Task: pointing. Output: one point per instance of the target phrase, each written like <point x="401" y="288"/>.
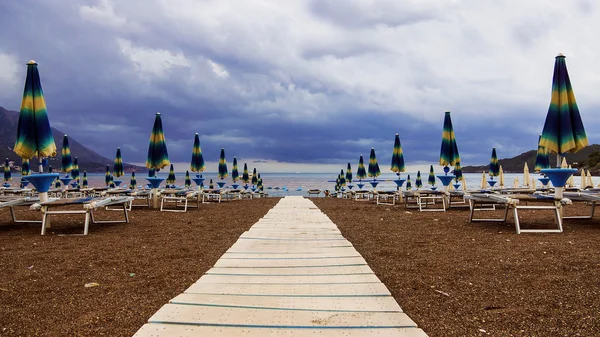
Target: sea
<point x="283" y="184"/>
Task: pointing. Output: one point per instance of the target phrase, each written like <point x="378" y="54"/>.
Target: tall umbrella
<point x="34" y="135"/>
<point x="210" y="185"/>
<point x="349" y="173"/>
<point x="483" y="182"/>
<point x="563" y="129"/>
<point x="590" y="181"/>
<point x="197" y="164"/>
<point x="132" y="181"/>
<point x="111" y="183"/>
<point x="158" y="156"/>
<point x="408" y="183"/>
<point x="171" y="179"/>
<point x="25" y="168"/>
<point x="75" y="170"/>
<point x="494" y="165"/>
<point x="458" y="171"/>
<point x="361" y="173"/>
<point x="235" y="175"/>
<point x="526" y="179"/>
<point x="7" y="175"/>
<point x="501" y="177"/>
<point x="66" y="162"/>
<point x="541" y="157"/>
<point x="118" y="164"/>
<point x="431" y="178"/>
<point x="107" y="176"/>
<point x="418" y="182"/>
<point x="84" y="183"/>
<point x="254" y="177"/>
<point x="245" y="175"/>
<point x="449" y="151"/>
<point x="188" y="180"/>
<point x="397" y="157"/>
<point x="56" y="183"/>
<point x="222" y="165"/>
<point x="342" y="178"/>
<point x="374" y="171"/>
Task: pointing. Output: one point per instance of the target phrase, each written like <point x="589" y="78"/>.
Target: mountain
<point x="515" y="164"/>
<point x="88" y="160"/>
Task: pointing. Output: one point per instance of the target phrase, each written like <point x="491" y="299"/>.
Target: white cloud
<point x="103" y="14"/>
<point x="10" y="69"/>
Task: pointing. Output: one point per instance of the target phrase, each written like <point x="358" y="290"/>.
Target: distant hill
<point x="87" y="159"/>
<point x="515" y="164"/>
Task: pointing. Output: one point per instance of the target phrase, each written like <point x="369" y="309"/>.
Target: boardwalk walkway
<point x="291" y="274"/>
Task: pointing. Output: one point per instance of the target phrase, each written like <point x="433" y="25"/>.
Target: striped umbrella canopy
<point x="118" y="164"/>
<point x="418" y="182"/>
<point x="494" y="165"/>
<point x="157" y="149"/>
<point x="342" y="177"/>
<point x="112" y="184"/>
<point x="132" y="181"/>
<point x="66" y="162"/>
<point x="245" y="175"/>
<point x="107" y="176"/>
<point x="75" y="170"/>
<point x="49" y="168"/>
<point x="541" y="157"/>
<point x="338" y="186"/>
<point x="449" y="152"/>
<point x="408" y="183"/>
<point x="259" y="185"/>
<point x="57" y="183"/>
<point x="171" y="179"/>
<point x="254" y="177"/>
<point x="25" y="168"/>
<point x="151" y="173"/>
<point x="374" y="171"/>
<point x="222" y="165"/>
<point x="397" y="157"/>
<point x="197" y="164"/>
<point x="188" y="181"/>
<point x="211" y="185"/>
<point x="7" y="175"/>
<point x="235" y="175"/>
<point x="85" y="181"/>
<point x="563" y="129"/>
<point x="34" y="136"/>
<point x="458" y="171"/>
<point x="361" y="173"/>
<point x="431" y="178"/>
<point x="349" y="173"/>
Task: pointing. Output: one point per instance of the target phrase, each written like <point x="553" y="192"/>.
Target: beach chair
<point x="425" y="200"/>
<point x="15" y="201"/>
<point x="178" y="198"/>
<point x="212" y="195"/>
<point x="313" y="192"/>
<point x="362" y="195"/>
<point x="385" y="197"/>
<point x="516" y="202"/>
<point x="591" y="198"/>
<point x="89" y="204"/>
<point x="233" y="194"/>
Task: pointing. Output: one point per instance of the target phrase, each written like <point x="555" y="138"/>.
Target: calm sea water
<point x="306" y="181"/>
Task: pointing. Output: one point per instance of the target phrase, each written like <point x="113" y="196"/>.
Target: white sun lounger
<point x="179" y="198"/>
<point x="13" y="201"/>
<point x="591" y="198"/>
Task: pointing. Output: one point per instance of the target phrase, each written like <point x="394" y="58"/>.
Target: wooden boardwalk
<point x="291" y="274"/>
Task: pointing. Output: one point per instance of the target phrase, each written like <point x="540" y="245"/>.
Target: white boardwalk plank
<point x="324" y="290"/>
<point x="291" y="250"/>
<point x="343" y="270"/>
<point x="289" y="263"/>
<point x="261" y="279"/>
<point x="274" y="256"/>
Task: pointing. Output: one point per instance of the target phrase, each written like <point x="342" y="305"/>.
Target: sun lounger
<point x="89" y="206"/>
<point x="179" y="198"/>
<point x="212" y="195"/>
<point x="515" y="202"/>
<point x="589" y="197"/>
<point x="385" y="197"/>
<point x="424" y="199"/>
<point x="314" y="192"/>
<point x="362" y="195"/>
<point x="13" y="201"/>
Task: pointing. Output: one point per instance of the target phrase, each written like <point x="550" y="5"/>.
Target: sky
<point x="302" y="85"/>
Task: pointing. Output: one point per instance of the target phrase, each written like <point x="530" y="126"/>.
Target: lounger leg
<point x="516" y="215"/>
<point x="126" y="214"/>
<point x="44" y="221"/>
<point x="472" y="210"/>
<point x="505" y="212"/>
<point x="162" y="202"/>
<point x="86" y="225"/>
<point x="559" y="218"/>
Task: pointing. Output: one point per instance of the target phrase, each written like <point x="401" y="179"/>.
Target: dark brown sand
<point x="456" y="278"/>
<point x="139" y="267"/>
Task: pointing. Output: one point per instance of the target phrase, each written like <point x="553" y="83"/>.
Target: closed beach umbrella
<point x="211" y="185"/>
<point x="418" y="182"/>
<point x="222" y="165"/>
<point x="107" y="176"/>
<point x="254" y="177"/>
<point x="25" y="168"/>
<point x="342" y="178"/>
<point x="361" y="173"/>
<point x="188" y="181"/>
<point x="563" y="129"/>
<point x="56" y="183"/>
<point x="132" y="181"/>
<point x="571" y="180"/>
<point x="563" y="164"/>
<point x="158" y="157"/>
<point x="349" y="174"/>
<point x="66" y="162"/>
<point x="397" y="157"/>
<point x="483" y="182"/>
<point x="171" y="179"/>
<point x="75" y="170"/>
<point x="501" y="177"/>
<point x="245" y="175"/>
<point x="494" y="165"/>
<point x="449" y="151"/>
<point x="526" y="178"/>
<point x="431" y="178"/>
<point x="34" y="136"/>
<point x="7" y="175"/>
<point x="197" y="164"/>
<point x="590" y="181"/>
<point x="151" y="173"/>
<point x="516" y="182"/>
<point x="112" y="184"/>
<point x="374" y="171"/>
<point x="408" y="183"/>
<point x="541" y="158"/>
<point x="235" y="175"/>
<point x="85" y="181"/>
<point x="118" y="164"/>
<point x="458" y="172"/>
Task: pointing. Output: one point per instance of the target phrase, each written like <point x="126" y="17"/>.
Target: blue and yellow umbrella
<point x="431" y="178"/>
<point x="541" y="157"/>
<point x="245" y="175"/>
<point x="171" y="179"/>
<point x="223" y="166"/>
<point x="458" y="172"/>
<point x="57" y="183"/>
<point x="235" y="175"/>
<point x="342" y="178"/>
<point x="494" y="165"/>
<point x="85" y="181"/>
<point x="374" y="171"/>
<point x="449" y="151"/>
<point x="132" y="181"/>
<point x="211" y="185"/>
<point x="188" y="180"/>
<point x="34" y="135"/>
<point x="397" y="157"/>
<point x="75" y="171"/>
<point x="254" y="177"/>
<point x="25" y="167"/>
<point x="7" y="175"/>
<point x="158" y="157"/>
<point x="361" y="173"/>
<point x="107" y="176"/>
<point x="197" y="164"/>
<point x="418" y="182"/>
<point x="408" y="183"/>
<point x="66" y="162"/>
<point x="112" y="184"/>
<point x="563" y="129"/>
<point x="118" y="164"/>
<point x="349" y="174"/>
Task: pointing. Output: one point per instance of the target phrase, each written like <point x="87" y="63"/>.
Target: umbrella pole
<point x="155" y="198"/>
